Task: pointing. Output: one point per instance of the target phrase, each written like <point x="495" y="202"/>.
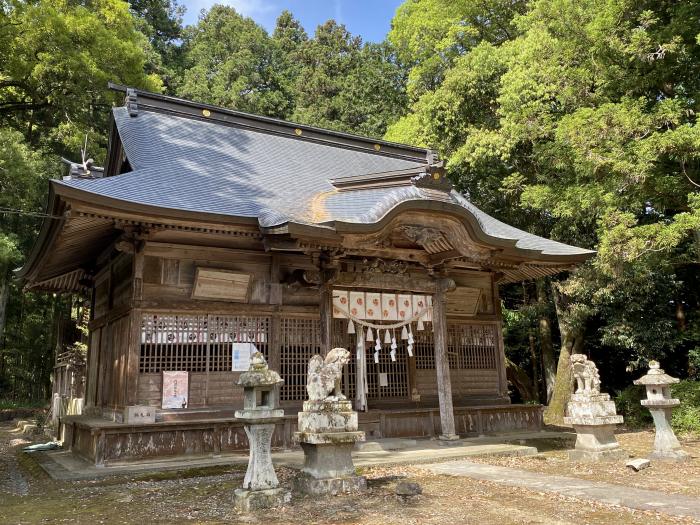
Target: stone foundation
<point x="345" y="485"/>
<point x="247" y="500"/>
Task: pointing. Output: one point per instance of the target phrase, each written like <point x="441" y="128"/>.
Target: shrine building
<point x="211" y="233"/>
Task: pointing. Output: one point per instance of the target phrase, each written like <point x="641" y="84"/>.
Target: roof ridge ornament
<point x="434" y="177"/>
<point x="131" y="102"/>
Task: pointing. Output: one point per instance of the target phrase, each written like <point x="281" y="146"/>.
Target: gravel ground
<point x="205" y="496"/>
<point x="669" y="477"/>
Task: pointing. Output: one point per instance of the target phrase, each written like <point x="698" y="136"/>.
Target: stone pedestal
<point x="327" y="435"/>
<point x="666" y="445"/>
<point x="594" y="420"/>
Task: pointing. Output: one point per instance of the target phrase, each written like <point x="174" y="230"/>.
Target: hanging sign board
<point x="221" y="285"/>
<point x="175" y="389"/>
<point x="464" y="300"/>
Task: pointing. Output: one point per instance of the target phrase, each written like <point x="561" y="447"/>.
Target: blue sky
<point x="371" y="19"/>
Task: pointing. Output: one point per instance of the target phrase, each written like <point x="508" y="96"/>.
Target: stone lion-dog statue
<point x="325" y="375"/>
<point x="585" y="375"/>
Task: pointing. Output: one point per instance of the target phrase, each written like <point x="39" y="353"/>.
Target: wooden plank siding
<point x="158" y="280"/>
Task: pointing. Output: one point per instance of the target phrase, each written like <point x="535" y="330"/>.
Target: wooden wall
<point x="159" y="280"/>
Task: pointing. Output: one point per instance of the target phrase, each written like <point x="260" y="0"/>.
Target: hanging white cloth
<point x="360" y="372"/>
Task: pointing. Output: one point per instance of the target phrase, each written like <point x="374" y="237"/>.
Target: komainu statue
<point x="323" y="381"/>
<point x="585" y="374"/>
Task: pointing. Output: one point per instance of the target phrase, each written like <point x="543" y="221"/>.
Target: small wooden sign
<point x="221" y="285"/>
<point x="464" y="300"/>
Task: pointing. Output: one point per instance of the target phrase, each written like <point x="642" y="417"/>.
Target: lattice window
<point x="196" y="343"/>
<point x="300" y="340"/>
<point x="396" y="372"/>
<point x="468" y="346"/>
<point x="226" y="330"/>
<point x="472" y="346"/>
<point x="424" y="349"/>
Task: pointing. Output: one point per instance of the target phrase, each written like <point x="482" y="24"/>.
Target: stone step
<point x="377" y="445"/>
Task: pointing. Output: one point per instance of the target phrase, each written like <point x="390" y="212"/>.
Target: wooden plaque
<point x="463" y="300"/>
<point x="221" y="285"/>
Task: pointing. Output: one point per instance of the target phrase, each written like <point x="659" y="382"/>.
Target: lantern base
<point x="247" y="500"/>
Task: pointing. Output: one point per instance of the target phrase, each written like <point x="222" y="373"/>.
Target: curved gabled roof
<point x="198" y="163"/>
<point x="206" y="166"/>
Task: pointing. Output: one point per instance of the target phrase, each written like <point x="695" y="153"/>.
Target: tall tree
<point x="57" y="59"/>
<point x="346" y="85"/>
<point x="161" y="22"/>
<point x="230" y="61"/>
<point x="581" y="125"/>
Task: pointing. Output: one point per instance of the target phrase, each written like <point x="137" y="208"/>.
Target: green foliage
<point x="348" y="86"/>
<point x="686" y="418"/>
<point x="628" y="404"/>
<point x="230" y="61"/>
<point x="57" y="59"/>
<point x="578" y="123"/>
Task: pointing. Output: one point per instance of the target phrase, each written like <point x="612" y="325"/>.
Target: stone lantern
<point x="660" y="404"/>
<point x="260" y="413"/>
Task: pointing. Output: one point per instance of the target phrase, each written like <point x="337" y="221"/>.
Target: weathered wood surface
<point x="442" y="365"/>
<point x="103" y="442"/>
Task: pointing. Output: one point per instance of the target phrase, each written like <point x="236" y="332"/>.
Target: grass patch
<point x="685" y="419"/>
<point x="8" y="404"/>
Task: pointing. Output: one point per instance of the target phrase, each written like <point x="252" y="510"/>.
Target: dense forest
<point x="571" y="119"/>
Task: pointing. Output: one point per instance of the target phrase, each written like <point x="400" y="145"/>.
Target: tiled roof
<point x="195" y="165"/>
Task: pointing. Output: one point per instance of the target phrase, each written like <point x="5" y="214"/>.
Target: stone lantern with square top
<point x="660" y="404"/>
<point x="260" y="413"/>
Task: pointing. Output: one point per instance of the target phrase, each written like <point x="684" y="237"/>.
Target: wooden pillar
<point x="500" y="348"/>
<point x="442" y="364"/>
<point x="326" y="311"/>
<point x="133" y="350"/>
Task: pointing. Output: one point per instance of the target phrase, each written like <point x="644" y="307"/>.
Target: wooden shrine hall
<point x="212" y="233"/>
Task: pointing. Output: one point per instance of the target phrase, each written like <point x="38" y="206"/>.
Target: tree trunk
<point x="571" y="343"/>
<point x="520" y="380"/>
<point x="547" y="348"/>
<point x="4" y="296"/>
<point x="534" y="359"/>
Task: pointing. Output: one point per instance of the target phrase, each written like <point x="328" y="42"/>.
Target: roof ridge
<point x="137" y="99"/>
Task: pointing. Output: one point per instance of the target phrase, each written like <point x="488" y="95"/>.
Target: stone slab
<point x="330" y="486"/>
<point x="596" y="491"/>
<point x="63" y="465"/>
<point x="247" y="500"/>
<point x="597" y="455"/>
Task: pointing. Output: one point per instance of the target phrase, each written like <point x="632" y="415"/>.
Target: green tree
<point x="581" y="125"/>
<point x="161" y="22"/>
<point x="57" y="59"/>
<point x="231" y="61"/>
<point x="348" y="86"/>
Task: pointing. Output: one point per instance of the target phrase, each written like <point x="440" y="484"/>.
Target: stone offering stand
<point x="260" y="486"/>
<point x="660" y="404"/>
<point x="592" y="415"/>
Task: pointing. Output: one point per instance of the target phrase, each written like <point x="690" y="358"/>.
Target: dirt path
<point x="11" y="479"/>
<point x="204" y="496"/>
